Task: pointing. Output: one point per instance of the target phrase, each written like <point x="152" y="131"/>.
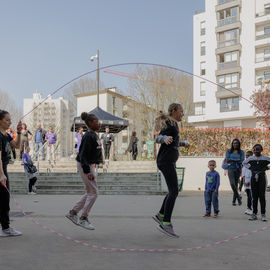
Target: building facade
<point x="52" y="112"/>
<point x="112" y="101"/>
<point x="232" y="51"/>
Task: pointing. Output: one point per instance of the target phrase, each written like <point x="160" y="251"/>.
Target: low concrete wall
<point x="195" y="170"/>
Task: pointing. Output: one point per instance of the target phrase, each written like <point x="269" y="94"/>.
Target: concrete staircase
<point x="69" y="166"/>
<point x="146" y="183"/>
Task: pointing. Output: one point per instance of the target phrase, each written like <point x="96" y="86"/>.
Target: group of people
<point x="90" y="156"/>
<point x="107" y="139"/>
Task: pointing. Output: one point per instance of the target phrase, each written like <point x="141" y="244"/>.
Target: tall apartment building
<point x="232" y="49"/>
<point x="53" y="112"/>
<point x="112" y="101"/>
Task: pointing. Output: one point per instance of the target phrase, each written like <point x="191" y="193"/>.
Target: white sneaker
<point x="86" y="224"/>
<point x="10" y="232"/>
<point x="72" y="217"/>
<point x="248" y="212"/>
<point x="32" y="193"/>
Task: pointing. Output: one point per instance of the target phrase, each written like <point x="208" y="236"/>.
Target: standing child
<point x="246" y="178"/>
<point x="90" y="155"/>
<point x="5" y="142"/>
<point x="211" y="189"/>
<point x="166" y="161"/>
<point x="258" y="164"/>
<point x="30" y="171"/>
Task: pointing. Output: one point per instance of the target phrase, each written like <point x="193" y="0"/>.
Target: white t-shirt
<point x="247" y="174"/>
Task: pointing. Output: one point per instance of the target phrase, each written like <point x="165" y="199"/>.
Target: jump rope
<point x="133" y="249"/>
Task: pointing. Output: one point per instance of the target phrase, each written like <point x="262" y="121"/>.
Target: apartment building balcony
<point x="262" y="18"/>
<point x="228" y="46"/>
<point x="231" y="92"/>
<point x="262" y="62"/>
<point x="226" y="68"/>
<point x="262" y="40"/>
<point x="228" y="26"/>
<point x="223" y="4"/>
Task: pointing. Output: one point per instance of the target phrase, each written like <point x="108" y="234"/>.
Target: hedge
<point x="215" y="141"/>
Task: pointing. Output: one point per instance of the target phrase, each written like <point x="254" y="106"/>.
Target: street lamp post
<point x="92" y="59"/>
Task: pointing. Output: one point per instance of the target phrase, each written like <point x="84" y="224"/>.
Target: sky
<point x="44" y="44"/>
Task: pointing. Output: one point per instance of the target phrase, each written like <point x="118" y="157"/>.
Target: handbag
<point x="225" y="165"/>
<point x="31" y="168"/>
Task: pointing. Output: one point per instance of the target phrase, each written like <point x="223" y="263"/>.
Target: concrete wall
<point x="195" y="170"/>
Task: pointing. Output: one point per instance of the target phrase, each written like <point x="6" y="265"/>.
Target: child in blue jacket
<point x="211" y="189"/>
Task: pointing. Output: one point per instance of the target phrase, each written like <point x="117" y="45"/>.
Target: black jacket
<point x="90" y="151"/>
<point x="169" y="153"/>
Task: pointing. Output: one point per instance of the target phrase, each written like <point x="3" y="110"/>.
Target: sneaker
<point x="248" y="212"/>
<point x="32" y="193"/>
<point x="10" y="232"/>
<point x="215" y="215"/>
<point x="72" y="217"/>
<point x="86" y="224"/>
<point x="167" y="229"/>
<point x="264" y="218"/>
<point x="253" y="217"/>
<point x="157" y="218"/>
<point x="207" y="215"/>
<point x="234" y="204"/>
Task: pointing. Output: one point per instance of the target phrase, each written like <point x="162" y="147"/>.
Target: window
<point x="202" y="88"/>
<point x="202" y="28"/>
<point x="227" y="16"/>
<point x="267" y="75"/>
<point x="228" y="57"/>
<point x="267" y="30"/>
<point x="220" y="2"/>
<point x="228" y="81"/>
<point x="229" y="104"/>
<point x="200" y="108"/>
<point x="266" y="54"/>
<point x="202" y="69"/>
<point x="203" y="48"/>
<point x="228" y="38"/>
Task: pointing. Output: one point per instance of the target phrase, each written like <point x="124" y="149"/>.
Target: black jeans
<point x="170" y="175"/>
<point x="31" y="183"/>
<point x="107" y="148"/>
<point x="134" y="151"/>
<point x="234" y="176"/>
<point x="249" y="198"/>
<point x="258" y="193"/>
<point x="4" y="203"/>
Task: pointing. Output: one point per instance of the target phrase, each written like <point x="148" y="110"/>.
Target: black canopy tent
<point x="115" y="124"/>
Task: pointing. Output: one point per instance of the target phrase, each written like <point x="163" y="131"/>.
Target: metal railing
<point x="221" y="2"/>
<point x="262" y="59"/>
<point x="227" y="65"/>
<point x="261" y="14"/>
<point x="267" y="35"/>
<point x="226" y="43"/>
<point x="227" y="21"/>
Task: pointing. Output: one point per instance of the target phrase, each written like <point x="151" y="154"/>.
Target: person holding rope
<point x="89" y="156"/>
<point x="166" y="161"/>
<point x="5" y="142"/>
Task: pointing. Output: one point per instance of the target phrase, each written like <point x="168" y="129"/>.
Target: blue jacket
<point x="235" y="160"/>
<point x="212" y="181"/>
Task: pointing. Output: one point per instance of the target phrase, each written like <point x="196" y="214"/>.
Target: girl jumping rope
<point x="166" y="161"/>
<point x="90" y="154"/>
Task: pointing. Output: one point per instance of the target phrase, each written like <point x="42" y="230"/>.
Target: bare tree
<point x="155" y="88"/>
<point x="8" y="104"/>
<point x="82" y="86"/>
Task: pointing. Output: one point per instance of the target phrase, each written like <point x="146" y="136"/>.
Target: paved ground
<point x="125" y="222"/>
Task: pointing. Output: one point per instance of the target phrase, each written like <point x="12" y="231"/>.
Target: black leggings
<point x="258" y="193"/>
<point x="32" y="182"/>
<point x="234" y="176"/>
<point x="4" y="203"/>
<point x="170" y="175"/>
